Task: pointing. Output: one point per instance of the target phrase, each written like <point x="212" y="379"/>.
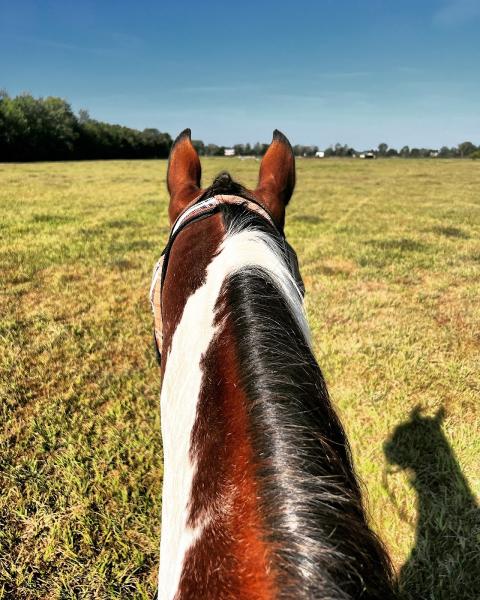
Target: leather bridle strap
<point x="197" y="211"/>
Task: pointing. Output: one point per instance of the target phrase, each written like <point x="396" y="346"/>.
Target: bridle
<point x="199" y="210"/>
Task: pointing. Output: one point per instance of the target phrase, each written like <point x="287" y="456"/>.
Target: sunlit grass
<point x="390" y="253"/>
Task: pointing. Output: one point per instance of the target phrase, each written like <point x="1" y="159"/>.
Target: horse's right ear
<point x="183" y="174"/>
<point x="276" y="179"/>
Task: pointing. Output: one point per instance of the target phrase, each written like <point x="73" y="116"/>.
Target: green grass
<point x="390" y="253"/>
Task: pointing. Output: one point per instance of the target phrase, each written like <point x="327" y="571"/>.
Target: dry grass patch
<point x="389" y="250"/>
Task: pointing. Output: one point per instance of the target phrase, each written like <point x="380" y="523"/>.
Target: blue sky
<point x="322" y="71"/>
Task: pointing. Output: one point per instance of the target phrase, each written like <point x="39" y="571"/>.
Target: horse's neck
<point x="209" y="517"/>
<point x="258" y="487"/>
<point x="222" y="512"/>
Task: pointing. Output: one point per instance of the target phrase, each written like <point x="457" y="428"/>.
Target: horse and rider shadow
<point x="445" y="561"/>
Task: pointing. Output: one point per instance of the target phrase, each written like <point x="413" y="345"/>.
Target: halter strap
<point x="209" y="204"/>
<point x="199" y="210"/>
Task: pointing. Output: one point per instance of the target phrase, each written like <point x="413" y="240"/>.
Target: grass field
<point x="390" y="253"/>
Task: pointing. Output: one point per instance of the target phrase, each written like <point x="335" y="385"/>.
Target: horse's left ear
<point x="183" y="174"/>
<point x="277" y="177"/>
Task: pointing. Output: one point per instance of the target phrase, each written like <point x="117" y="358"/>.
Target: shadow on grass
<point x="403" y="244"/>
<point x="451" y="232"/>
<point x="445" y="561"/>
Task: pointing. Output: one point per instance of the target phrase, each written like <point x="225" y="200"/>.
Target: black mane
<point x="224" y="184"/>
<point x="309" y="496"/>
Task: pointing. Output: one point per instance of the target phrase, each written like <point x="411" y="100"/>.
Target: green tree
<point x="199" y="147"/>
<point x="46" y="129"/>
<point x="444" y="152"/>
<point x="466" y="148"/>
<point x="260" y="149"/>
<point x="382" y="149"/>
<point x="13" y="128"/>
<point x="214" y="150"/>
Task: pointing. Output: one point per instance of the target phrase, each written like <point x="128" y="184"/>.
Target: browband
<point x="197" y="211"/>
<point x="205" y="206"/>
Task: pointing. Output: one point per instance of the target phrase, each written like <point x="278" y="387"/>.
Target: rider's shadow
<point x="445" y="561"/>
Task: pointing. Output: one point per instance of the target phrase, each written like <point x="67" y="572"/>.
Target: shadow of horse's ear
<point x="416" y="413"/>
<point x="440" y="414"/>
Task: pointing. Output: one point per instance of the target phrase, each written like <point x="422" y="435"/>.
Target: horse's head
<point x="275" y="183"/>
<point x="197" y="239"/>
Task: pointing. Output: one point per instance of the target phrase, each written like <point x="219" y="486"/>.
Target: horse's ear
<point x="183" y="174"/>
<point x="277" y="177"/>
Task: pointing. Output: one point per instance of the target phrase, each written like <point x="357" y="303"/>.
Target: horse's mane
<point x="224" y="184"/>
<point x="309" y="497"/>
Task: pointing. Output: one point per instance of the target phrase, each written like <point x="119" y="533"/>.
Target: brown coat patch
<point x="195" y="247"/>
<point x="230" y="560"/>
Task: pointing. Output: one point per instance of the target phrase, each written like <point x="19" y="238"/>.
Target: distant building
<point x="320" y="154"/>
<point x="367" y="155"/>
<point x="229" y="152"/>
<point x="434" y="153"/>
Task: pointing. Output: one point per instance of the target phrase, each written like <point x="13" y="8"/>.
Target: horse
<point x="260" y="499"/>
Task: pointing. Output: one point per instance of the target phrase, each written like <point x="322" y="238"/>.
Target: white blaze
<point x="182" y="385"/>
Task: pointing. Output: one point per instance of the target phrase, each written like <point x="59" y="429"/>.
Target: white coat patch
<point x="182" y="385"/>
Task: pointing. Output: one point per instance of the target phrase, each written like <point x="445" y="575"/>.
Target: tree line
<point x="48" y="129"/>
<point x="463" y="150"/>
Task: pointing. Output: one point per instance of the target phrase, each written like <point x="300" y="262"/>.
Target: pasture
<point x="390" y="255"/>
